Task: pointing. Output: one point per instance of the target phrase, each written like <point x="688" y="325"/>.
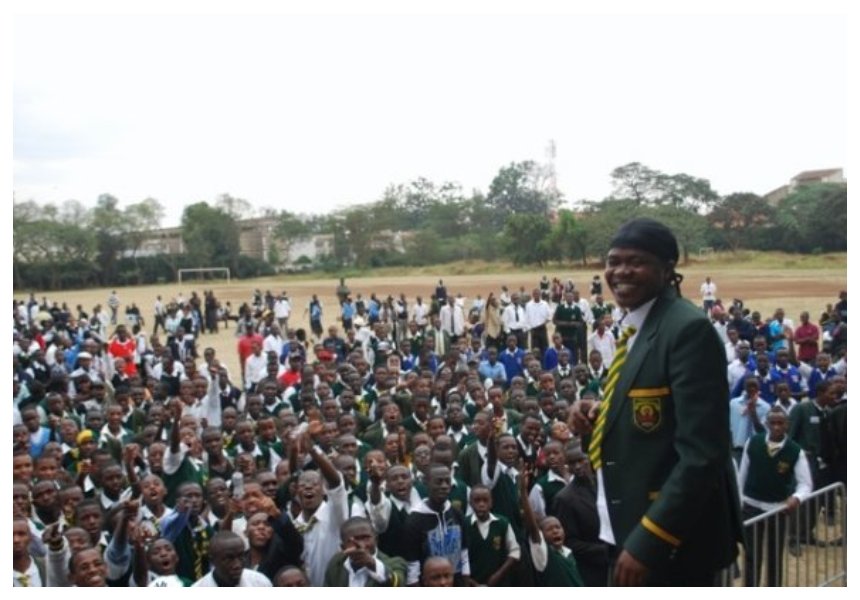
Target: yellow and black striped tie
<point x="612" y="377"/>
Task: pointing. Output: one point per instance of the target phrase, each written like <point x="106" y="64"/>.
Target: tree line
<point x="521" y="217"/>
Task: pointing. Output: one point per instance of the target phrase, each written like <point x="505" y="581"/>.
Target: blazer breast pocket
<point x="647" y="406"/>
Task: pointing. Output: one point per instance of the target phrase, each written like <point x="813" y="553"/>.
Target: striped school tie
<point x="612" y="377"/>
<point x="200" y="540"/>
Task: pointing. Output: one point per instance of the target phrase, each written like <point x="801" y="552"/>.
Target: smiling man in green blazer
<point x="660" y="442"/>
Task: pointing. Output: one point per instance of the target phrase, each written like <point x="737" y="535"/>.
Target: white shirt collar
<point x="553" y="476"/>
<point x="636" y="318"/>
<point x="779" y="444"/>
<point x="482" y="449"/>
<point x="359" y="578"/>
<point x="474" y="518"/>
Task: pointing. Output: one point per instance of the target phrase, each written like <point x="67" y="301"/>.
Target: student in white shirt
<point x="320" y="520"/>
<point x="227" y="555"/>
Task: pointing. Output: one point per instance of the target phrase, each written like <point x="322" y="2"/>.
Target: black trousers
<point x="522" y="337"/>
<point x="539" y="340"/>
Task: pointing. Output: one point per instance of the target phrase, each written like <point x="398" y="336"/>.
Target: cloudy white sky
<point x="309" y="112"/>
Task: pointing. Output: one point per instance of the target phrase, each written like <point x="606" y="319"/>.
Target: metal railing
<point x="803" y="548"/>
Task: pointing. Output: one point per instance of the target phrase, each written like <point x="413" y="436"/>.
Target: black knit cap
<point x="648" y="235"/>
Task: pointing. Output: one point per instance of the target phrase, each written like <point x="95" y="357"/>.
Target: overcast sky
<point x="309" y="113"/>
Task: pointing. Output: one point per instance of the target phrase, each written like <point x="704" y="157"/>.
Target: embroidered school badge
<point x="782" y="467"/>
<point x="497" y="542"/>
<point x="647" y="413"/>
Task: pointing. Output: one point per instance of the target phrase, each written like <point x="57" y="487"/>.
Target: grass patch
<point x="717" y="261"/>
<point x="774" y="260"/>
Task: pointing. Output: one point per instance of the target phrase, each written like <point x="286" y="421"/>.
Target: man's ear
<point x="669" y="270"/>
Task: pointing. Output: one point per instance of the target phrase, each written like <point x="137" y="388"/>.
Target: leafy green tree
<point x="520" y="189"/>
<point x="42" y="238"/>
<point x="449" y="219"/>
<point x="334" y="225"/>
<point x="568" y="239"/>
<point x="274" y="257"/>
<point x="416" y="199"/>
<point x="479" y="215"/>
<point x="634" y="181"/>
<point x="237" y="208"/>
<point x="359" y="229"/>
<point x="387" y="214"/>
<point x="684" y="191"/>
<point x="815" y="218"/>
<point x="290" y="229"/>
<point x="210" y="236"/>
<point x="111" y="227"/>
<point x="72" y="211"/>
<point x="406" y="207"/>
<point x="741" y="220"/>
<point x="648" y="187"/>
<point x="142" y="218"/>
<point x="526" y="238"/>
<point x="690" y="228"/>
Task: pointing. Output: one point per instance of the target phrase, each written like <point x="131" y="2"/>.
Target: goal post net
<point x="203" y="274"/>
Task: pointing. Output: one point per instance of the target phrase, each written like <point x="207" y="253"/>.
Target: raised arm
<point x="212" y="412"/>
<point x="326" y="467"/>
<point x="130" y="454"/>
<point x="176" y="414"/>
<point x="529" y="519"/>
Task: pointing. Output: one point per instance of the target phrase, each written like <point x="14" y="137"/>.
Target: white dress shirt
<point x="537" y="313"/>
<point x="359" y="578"/>
<point x="322" y="533"/>
<point x="419" y="315"/>
<point x="513" y="318"/>
<point x="249" y="579"/>
<point x="605" y="344"/>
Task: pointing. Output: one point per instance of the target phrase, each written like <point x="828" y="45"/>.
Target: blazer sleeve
<point x="694" y="363"/>
<point x="396" y="568"/>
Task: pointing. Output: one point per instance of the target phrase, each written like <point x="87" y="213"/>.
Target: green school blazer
<point x="669" y="480"/>
<point x="336" y="574"/>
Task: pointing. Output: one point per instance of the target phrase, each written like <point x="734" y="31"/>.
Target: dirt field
<point x="761" y="289"/>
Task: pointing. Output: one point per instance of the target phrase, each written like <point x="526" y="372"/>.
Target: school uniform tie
<point x="304" y="528"/>
<point x="608" y="389"/>
<point x="201" y="550"/>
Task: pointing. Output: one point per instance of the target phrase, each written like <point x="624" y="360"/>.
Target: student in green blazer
<point x="662" y="451"/>
<point x="375" y="435"/>
<point x="359" y="563"/>
<point x="472" y="457"/>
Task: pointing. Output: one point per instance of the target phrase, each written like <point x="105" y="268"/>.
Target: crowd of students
<point x="408" y="444"/>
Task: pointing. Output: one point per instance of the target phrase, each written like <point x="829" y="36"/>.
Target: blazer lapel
<point x="641" y="349"/>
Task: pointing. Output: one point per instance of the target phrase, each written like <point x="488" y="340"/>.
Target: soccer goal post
<point x="202" y="273"/>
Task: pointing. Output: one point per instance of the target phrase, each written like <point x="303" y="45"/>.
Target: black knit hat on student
<point x="651" y="236"/>
<point x="648" y="235"/>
